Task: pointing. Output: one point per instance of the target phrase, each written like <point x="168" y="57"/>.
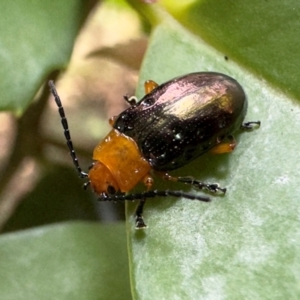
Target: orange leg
<point x="148" y="181"/>
<point x="224" y="147"/>
<point x="112" y="120"/>
<point x="150" y="85"/>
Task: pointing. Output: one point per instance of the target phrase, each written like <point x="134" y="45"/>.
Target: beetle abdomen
<point x="184" y="117"/>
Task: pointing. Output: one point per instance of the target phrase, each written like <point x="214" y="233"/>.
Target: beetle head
<point x="102" y="180"/>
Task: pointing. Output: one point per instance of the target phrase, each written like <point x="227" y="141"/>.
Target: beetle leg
<point x="211" y="187"/>
<point x="152" y="194"/>
<point x="139" y="220"/>
<point x="148" y="181"/>
<point x="250" y="125"/>
<point x="112" y="120"/>
<point x="224" y="147"/>
<point x="86" y="184"/>
<point x="132" y="101"/>
<point x="149" y="86"/>
<point x="140" y="224"/>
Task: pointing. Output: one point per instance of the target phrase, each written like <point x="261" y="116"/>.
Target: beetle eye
<point x="111" y="190"/>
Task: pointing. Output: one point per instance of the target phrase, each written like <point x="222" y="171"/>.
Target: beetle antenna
<point x="65" y="126"/>
<point x="152" y="194"/>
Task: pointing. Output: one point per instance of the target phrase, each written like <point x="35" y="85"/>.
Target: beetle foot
<point x="211" y="187"/>
<point x="139" y="223"/>
<point x="214" y="188"/>
<point x="250" y="125"/>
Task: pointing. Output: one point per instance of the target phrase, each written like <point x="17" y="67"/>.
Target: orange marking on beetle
<point x="149" y="86"/>
<point x="122" y="160"/>
<point x="223" y="148"/>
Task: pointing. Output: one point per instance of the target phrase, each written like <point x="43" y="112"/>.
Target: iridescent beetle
<point x="173" y="124"/>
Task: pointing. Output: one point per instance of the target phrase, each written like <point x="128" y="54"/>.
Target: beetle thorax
<point x="121" y="157"/>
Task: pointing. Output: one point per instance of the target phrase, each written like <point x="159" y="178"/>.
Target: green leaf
<point x="36" y="37"/>
<point x="65" y="261"/>
<point x="246" y="244"/>
<point x="263" y="36"/>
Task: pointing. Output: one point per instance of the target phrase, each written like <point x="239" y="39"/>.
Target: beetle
<point x="173" y="124"/>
